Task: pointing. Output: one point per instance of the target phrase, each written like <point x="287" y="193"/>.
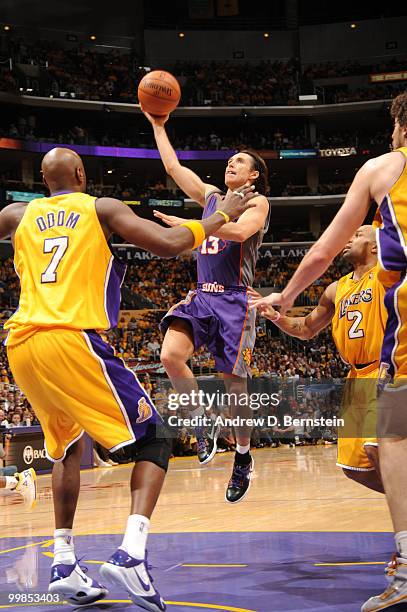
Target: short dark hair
<point x="262" y="182"/>
<point x="398" y="109"/>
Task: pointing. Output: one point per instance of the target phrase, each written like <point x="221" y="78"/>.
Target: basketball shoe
<point x="396" y="592"/>
<point x="71" y="582"/>
<point x="207" y="443"/>
<point x="133" y="576"/>
<point x="27" y="486"/>
<point x="239" y="483"/>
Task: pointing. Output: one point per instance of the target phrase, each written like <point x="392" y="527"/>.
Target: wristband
<point x="278" y="317"/>
<point x="224" y="215"/>
<point x="197" y="230"/>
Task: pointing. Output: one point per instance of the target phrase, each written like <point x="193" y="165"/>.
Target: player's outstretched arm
<point x="117" y="218"/>
<point x="186" y="179"/>
<point x="349" y="217"/>
<point x="249" y="223"/>
<point x="307" y="327"/>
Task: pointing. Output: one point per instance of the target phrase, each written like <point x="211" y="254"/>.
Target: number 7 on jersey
<point x="58" y="247"/>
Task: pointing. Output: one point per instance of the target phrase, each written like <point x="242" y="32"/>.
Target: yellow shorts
<point x="75" y="383"/>
<point x="359" y="412"/>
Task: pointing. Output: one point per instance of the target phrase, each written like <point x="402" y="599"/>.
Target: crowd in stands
<point x="352" y="68"/>
<point x="156" y="189"/>
<point x="83" y="73"/>
<point x="333" y="188"/>
<point x="164" y="282"/>
<point x="29" y="128"/>
<point x="15" y="411"/>
<point x="137" y="340"/>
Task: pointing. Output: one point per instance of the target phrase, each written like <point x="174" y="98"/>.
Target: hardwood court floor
<point x="305" y="538"/>
<point x="297" y="489"/>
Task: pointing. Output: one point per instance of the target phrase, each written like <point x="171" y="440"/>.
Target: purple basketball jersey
<point x="224" y="262"/>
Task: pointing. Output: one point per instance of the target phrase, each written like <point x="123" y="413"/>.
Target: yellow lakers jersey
<point x="391" y="221"/>
<point x="360" y="318"/>
<point x="69" y="277"/>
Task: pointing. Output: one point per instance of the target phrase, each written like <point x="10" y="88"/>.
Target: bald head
<point x="362" y="249"/>
<point x="369" y="232"/>
<point x="62" y="170"/>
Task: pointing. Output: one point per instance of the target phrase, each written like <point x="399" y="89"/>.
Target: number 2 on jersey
<point x="356" y="316"/>
<point x="57" y="246"/>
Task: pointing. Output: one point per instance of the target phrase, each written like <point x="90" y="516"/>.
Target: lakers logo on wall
<point x="144" y="409"/>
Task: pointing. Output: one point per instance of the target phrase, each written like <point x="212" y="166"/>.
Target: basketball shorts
<point x="359" y="412"/>
<point x="75" y="383"/>
<point x="224" y="323"/>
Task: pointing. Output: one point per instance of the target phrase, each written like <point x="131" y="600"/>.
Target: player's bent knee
<point x="167" y="358"/>
<point x="155" y="447"/>
<point x="157" y="451"/>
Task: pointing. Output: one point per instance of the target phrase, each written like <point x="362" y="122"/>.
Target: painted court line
<point x="350" y="563"/>
<point x="213" y="565"/>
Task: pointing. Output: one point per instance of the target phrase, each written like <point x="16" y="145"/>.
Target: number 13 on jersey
<point x="212" y="245"/>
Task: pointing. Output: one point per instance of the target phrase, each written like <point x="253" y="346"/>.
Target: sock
<point x="63" y="547"/>
<point x="11" y="482"/>
<point x="401" y="543"/>
<point x="243" y="459"/>
<point x="135" y="538"/>
<point x="242" y="449"/>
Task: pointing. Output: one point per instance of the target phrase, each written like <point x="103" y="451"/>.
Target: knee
<point x="76" y="450"/>
<point x="170" y="358"/>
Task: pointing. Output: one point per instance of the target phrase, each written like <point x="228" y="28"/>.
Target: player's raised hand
<point x="274" y="299"/>
<point x="155" y="120"/>
<point x="237" y="202"/>
<point x="267" y="311"/>
<point x="170" y="220"/>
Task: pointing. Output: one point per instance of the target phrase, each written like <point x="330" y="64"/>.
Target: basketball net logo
<point x="144" y="409"/>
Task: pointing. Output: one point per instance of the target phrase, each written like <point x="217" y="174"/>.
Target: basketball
<point x="159" y="92"/>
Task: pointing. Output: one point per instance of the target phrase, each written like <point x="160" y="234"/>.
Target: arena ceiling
<point x="102" y="15"/>
<point x="75" y="15"/>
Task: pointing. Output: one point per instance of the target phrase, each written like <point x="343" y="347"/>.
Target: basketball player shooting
<point x="217" y="314"/>
<point x="383" y="180"/>
<point x="70" y="287"/>
<point x="354" y="305"/>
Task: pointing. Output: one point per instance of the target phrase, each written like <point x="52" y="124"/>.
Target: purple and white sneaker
<point x="133" y="576"/>
<point x="239" y="483"/>
<point x="71" y="582"/>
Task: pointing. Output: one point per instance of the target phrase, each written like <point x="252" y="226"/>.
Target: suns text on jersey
<point x="61" y="218"/>
<point x="366" y="295"/>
